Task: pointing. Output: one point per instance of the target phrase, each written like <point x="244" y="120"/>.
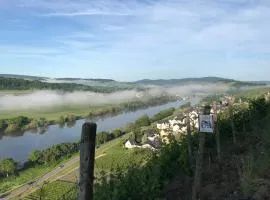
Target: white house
<point x="147" y="146"/>
<point x="162" y="125"/>
<point x="178" y="125"/>
<point x="130" y="144"/>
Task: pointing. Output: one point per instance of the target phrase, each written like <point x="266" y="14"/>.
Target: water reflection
<point x="71" y="124"/>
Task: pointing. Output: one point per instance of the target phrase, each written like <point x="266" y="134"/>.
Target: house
<point x="152" y="144"/>
<point x="130" y="144"/>
<point x="178" y="125"/>
<point x="163" y="124"/>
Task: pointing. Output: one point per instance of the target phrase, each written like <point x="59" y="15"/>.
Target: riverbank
<point x="16" y="121"/>
<point x="112" y="149"/>
<point x="41" y="162"/>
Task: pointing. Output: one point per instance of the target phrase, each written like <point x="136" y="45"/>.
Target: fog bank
<point x="46" y="99"/>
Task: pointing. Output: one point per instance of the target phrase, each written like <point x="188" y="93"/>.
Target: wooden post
<point x="189" y="140"/>
<point x="87" y="158"/>
<point x="199" y="160"/>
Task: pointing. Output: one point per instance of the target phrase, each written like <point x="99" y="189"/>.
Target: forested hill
<point x="204" y="80"/>
<point x="26" y="77"/>
<point x="88" y="79"/>
<point x="22" y="84"/>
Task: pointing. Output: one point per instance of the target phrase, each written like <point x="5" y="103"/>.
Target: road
<point x="53" y="175"/>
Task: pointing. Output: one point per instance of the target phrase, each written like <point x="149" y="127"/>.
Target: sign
<point x="206" y="123"/>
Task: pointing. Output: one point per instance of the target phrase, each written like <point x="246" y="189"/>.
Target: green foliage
<point x="8" y="167"/>
<point x="143" y="181"/>
<point x="53" y="154"/>
<point x="70" y="118"/>
<point x="102" y="137"/>
<point x="163" y="114"/>
<point x="21" y="84"/>
<point x="117" y="133"/>
<point x="35" y="157"/>
<point x="12" y="128"/>
<point x="143" y="121"/>
<point x="61" y="120"/>
<point x="55" y="191"/>
<point x="3" y="124"/>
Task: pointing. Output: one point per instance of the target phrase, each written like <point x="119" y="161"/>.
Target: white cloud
<point x="120" y="33"/>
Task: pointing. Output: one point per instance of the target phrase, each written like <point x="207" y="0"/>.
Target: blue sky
<point x="130" y="40"/>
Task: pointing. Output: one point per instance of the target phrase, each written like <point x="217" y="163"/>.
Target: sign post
<point x="206" y="125"/>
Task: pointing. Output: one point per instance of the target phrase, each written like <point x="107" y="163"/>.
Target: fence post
<point x="199" y="160"/>
<point x="87" y="158"/>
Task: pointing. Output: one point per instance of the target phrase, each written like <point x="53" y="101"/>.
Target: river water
<point x="18" y="146"/>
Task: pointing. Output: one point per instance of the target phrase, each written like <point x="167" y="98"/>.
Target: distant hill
<point x="86" y="79"/>
<point x="23" y="84"/>
<point x="129" y="85"/>
<point x="204" y="80"/>
<point x="22" y="77"/>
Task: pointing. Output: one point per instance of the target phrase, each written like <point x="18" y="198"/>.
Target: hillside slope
<point x="203" y="80"/>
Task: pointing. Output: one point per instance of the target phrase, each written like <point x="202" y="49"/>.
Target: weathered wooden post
<point x="87" y="158"/>
<point x="199" y="159"/>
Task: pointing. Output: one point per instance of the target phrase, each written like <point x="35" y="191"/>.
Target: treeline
<point x="104" y="136"/>
<point x="40" y="157"/>
<point x="22" y="84"/>
<point x="53" y="154"/>
<point x="22" y="123"/>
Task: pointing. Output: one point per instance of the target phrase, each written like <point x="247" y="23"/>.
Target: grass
<point x="113" y="155"/>
<point x="53" y="113"/>
<point x="15" y="92"/>
<point x="254" y="92"/>
<point x="27" y="175"/>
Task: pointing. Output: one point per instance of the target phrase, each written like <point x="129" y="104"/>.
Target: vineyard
<point x="58" y="190"/>
<point x="244" y="163"/>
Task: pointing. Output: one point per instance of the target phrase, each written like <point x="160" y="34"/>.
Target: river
<point x="18" y="146"/>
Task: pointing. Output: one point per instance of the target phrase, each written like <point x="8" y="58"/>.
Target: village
<point x="178" y="124"/>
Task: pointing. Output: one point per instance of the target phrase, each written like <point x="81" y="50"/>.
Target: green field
<point x="27" y="175"/>
<point x="112" y="155"/>
<point x="53" y="113"/>
<point x="57" y="190"/>
<point x="24" y="177"/>
<point x="35" y="172"/>
<point x="253" y="93"/>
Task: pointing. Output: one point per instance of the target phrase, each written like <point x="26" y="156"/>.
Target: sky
<point x="129" y="40"/>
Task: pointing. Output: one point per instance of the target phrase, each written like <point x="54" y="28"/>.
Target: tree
<point x="144" y="138"/>
<point x="35" y="157"/>
<point x="117" y="133"/>
<point x="8" y="167"/>
<point x="143" y="121"/>
<point x="62" y="120"/>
